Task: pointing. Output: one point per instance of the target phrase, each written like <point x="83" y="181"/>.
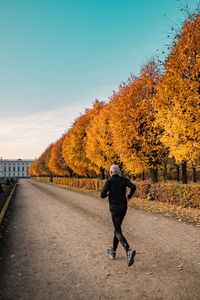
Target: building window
<point x="4" y="174"/>
<point x="18" y="169"/>
<point x="13" y="174"/>
<point x="9" y="169"/>
<point x="13" y="169"/>
<point x="9" y="174"/>
<point x="18" y="174"/>
<point x="22" y="174"/>
<point x="4" y="169"/>
<point x="23" y="169"/>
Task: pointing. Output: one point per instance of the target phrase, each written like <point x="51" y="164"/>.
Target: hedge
<point x="89" y="184"/>
<point x="173" y="193"/>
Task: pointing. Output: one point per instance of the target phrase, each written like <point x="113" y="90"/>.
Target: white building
<point x="14" y="168"/>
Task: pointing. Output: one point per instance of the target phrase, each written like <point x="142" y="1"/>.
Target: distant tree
<point x="74" y="144"/>
<point x="33" y="169"/>
<point x="42" y="163"/>
<point x="57" y="163"/>
<point x="99" y="143"/>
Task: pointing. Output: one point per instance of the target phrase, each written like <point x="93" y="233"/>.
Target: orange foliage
<point x="41" y="165"/>
<point x="135" y="135"/>
<point x="33" y="169"/>
<point x="74" y="144"/>
<point x="99" y="145"/>
<point x="57" y="164"/>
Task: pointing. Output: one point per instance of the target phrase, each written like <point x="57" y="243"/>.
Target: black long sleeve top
<point x="115" y="189"/>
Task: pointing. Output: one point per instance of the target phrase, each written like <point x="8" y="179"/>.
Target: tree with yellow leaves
<point x="178" y="98"/>
<point x="74" y="144"/>
<point x="135" y="135"/>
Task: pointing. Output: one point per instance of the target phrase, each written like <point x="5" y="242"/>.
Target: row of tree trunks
<point x="168" y="173"/>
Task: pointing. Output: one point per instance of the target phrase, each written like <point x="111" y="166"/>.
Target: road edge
<point x="6" y="205"/>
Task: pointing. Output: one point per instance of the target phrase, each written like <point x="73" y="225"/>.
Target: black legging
<point x="117" y="219"/>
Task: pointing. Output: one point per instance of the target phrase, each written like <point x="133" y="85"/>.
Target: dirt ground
<point x="53" y="246"/>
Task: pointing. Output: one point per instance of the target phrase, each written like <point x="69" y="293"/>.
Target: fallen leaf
<point x="180" y="267"/>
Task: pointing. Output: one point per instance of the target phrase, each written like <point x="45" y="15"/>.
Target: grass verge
<point x="6" y="205"/>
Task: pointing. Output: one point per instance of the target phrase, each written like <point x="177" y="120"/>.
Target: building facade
<point x="14" y="168"/>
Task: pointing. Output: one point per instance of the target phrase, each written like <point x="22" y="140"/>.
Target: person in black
<point x="115" y="189"/>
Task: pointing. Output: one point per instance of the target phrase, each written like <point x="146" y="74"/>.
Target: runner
<point x="115" y="189"/>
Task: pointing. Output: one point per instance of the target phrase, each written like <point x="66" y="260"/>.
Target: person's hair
<point x="115" y="169"/>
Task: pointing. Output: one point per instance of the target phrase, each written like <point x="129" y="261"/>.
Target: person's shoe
<point x="111" y="253"/>
<point x="130" y="256"/>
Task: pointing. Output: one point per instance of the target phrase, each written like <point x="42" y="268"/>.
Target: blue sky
<point x="58" y="56"/>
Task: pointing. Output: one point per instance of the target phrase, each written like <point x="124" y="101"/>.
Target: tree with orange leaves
<point x="33" y="169"/>
<point x="99" y="144"/>
<point x="74" y="144"/>
<point x="136" y="137"/>
<point x="56" y="163"/>
<point x="42" y="163"/>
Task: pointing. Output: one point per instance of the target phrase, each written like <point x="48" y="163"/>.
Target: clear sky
<point x="58" y="56"/>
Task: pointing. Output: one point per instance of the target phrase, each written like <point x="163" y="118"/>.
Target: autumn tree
<point x="33" y="169"/>
<point x="40" y="166"/>
<point x="42" y="162"/>
<point x="178" y="99"/>
<point x="136" y="137"/>
<point x="99" y="142"/>
<point x="74" y="144"/>
<point x="56" y="163"/>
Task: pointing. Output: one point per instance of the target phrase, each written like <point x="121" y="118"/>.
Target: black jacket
<point x="115" y="189"/>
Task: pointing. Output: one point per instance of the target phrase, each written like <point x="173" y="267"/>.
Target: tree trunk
<point x="184" y="172"/>
<point x="102" y="173"/>
<point x="170" y="173"/>
<point x="143" y="176"/>
<point x="71" y="174"/>
<point x="177" y="173"/>
<point x="154" y="175"/>
<point x="194" y="174"/>
<point x="165" y="171"/>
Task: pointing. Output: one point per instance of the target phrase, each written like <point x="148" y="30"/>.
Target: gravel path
<point x="54" y="244"/>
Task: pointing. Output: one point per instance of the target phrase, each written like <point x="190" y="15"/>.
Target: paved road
<point x="54" y="245"/>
